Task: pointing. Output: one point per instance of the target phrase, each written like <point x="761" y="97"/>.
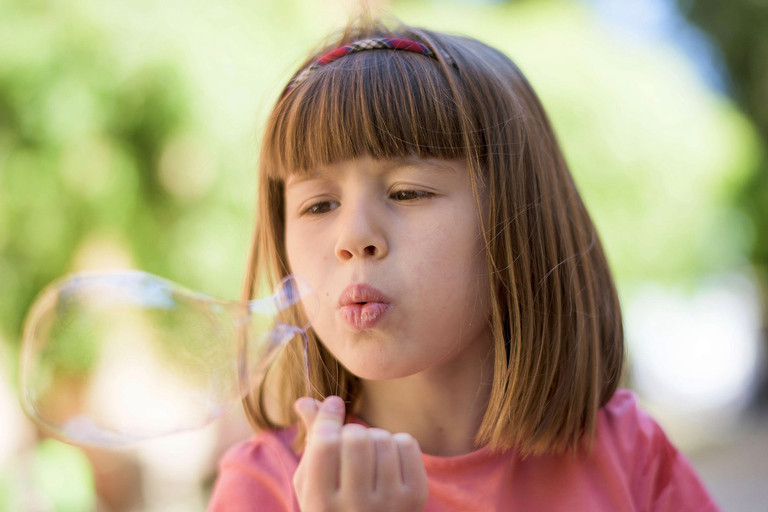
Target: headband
<point x="383" y="43"/>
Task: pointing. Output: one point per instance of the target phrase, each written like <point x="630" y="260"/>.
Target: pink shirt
<point x="633" y="467"/>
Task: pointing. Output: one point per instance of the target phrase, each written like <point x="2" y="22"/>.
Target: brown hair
<point x="558" y="336"/>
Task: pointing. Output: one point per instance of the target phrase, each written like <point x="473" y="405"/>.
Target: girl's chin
<point x="378" y="369"/>
<point x="374" y="355"/>
<point x="378" y="375"/>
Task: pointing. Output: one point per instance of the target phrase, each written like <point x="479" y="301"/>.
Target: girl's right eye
<point x="319" y="208"/>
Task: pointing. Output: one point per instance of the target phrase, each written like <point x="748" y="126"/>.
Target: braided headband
<point x="383" y="43"/>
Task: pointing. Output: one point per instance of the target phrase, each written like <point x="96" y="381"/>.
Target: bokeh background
<point x="129" y="134"/>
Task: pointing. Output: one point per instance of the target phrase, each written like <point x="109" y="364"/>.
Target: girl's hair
<point x="558" y="336"/>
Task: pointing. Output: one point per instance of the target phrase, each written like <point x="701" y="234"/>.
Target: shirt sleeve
<point x="673" y="483"/>
<point x="664" y="480"/>
<point x="254" y="477"/>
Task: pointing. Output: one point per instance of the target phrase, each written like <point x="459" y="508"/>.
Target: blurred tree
<point x="740" y="30"/>
<point x="81" y="136"/>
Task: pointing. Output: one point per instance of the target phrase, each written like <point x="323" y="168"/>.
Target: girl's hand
<point x="353" y="468"/>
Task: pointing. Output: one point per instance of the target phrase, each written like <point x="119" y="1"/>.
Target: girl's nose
<point x="361" y="235"/>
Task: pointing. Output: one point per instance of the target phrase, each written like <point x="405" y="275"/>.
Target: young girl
<point x="468" y="344"/>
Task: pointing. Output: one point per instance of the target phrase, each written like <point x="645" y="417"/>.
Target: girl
<point x="468" y="345"/>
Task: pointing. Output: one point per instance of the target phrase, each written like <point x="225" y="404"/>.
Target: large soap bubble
<point x="109" y="359"/>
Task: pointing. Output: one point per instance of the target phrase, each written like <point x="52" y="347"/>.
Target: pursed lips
<point x="362" y="306"/>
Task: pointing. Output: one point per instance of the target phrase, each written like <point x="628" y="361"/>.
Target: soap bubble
<point x="109" y="359"/>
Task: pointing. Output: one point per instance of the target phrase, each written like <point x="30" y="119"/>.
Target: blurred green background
<point x="128" y="138"/>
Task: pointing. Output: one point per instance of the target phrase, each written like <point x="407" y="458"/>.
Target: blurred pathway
<point x="736" y="472"/>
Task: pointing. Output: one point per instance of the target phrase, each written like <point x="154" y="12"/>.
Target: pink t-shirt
<point x="633" y="467"/>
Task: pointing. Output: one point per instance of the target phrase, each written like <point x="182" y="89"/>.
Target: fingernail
<point x="305" y="404"/>
<point x="378" y="434"/>
<point x="300" y="405"/>
<point x="404" y="439"/>
<point x="334" y="404"/>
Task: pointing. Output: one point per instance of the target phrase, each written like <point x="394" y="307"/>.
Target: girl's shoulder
<point x="625" y="427"/>
<point x="626" y="432"/>
<point x="624" y="419"/>
<point x="257" y="471"/>
<point x="629" y="440"/>
<point x="265" y="448"/>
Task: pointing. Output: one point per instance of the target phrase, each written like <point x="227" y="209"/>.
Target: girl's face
<point x="394" y="250"/>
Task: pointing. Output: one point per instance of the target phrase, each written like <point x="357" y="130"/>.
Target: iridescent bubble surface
<point x="112" y="358"/>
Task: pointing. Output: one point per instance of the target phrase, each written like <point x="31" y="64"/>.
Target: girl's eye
<point x="322" y="207"/>
<point x="319" y="208"/>
<point x="408" y="195"/>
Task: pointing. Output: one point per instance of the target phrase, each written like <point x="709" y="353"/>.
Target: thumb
<point x="307" y="409"/>
<point x="324" y="418"/>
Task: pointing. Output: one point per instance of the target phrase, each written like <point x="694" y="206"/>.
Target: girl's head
<point x="436" y="179"/>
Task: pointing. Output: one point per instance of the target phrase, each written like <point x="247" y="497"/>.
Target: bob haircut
<point x="558" y="335"/>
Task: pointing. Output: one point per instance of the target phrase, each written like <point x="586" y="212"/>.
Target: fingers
<point x="413" y="472"/>
<point x="356" y="467"/>
<point x="358" y="458"/>
<point x="388" y="472"/>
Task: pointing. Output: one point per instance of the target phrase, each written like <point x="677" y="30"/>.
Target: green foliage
<point x="9" y="493"/>
<point x="80" y="142"/>
<point x="738" y="29"/>
<point x="63" y="475"/>
<point x="55" y="477"/>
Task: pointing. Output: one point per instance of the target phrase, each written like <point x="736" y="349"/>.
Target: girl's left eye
<point x="409" y="195"/>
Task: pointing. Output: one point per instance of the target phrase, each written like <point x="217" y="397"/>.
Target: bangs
<point x="378" y="103"/>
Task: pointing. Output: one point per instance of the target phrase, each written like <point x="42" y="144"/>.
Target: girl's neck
<point x="441" y="407"/>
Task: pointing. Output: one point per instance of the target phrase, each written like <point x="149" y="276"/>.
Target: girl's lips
<point x="363" y="316"/>
<point x="362" y="305"/>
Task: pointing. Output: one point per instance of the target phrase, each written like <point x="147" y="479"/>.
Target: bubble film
<point x="109" y="359"/>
